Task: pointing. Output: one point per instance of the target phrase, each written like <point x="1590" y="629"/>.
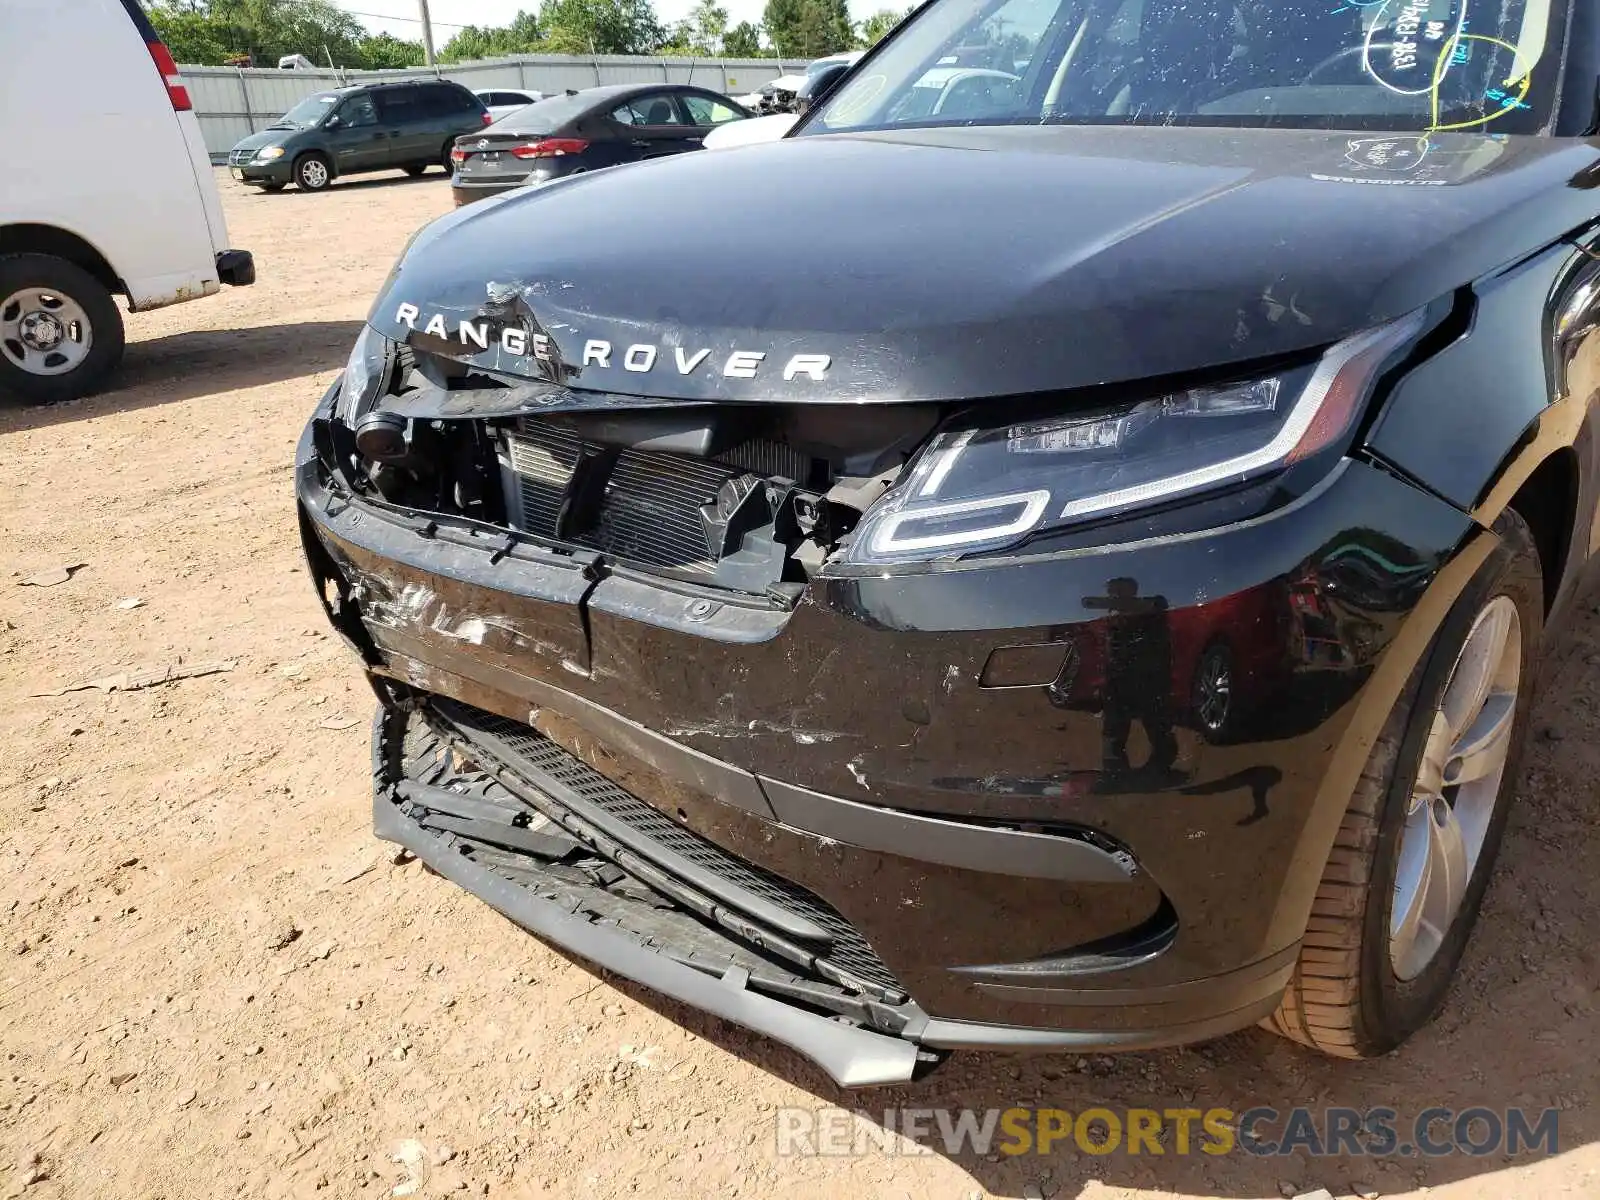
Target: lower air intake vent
<point x="650" y="510"/>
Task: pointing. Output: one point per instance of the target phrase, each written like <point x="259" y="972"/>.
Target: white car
<point x="750" y="133"/>
<point x="502" y="102"/>
<point x="145" y="222"/>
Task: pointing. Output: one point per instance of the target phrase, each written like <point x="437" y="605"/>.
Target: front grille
<point x="238" y="158"/>
<point x="538" y="755"/>
<point x="650" y="512"/>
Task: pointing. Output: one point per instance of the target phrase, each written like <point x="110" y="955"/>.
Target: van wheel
<point x="415" y="169"/>
<point x="312" y="173"/>
<point x="1400" y="893"/>
<point x="444" y="157"/>
<point x="60" y="331"/>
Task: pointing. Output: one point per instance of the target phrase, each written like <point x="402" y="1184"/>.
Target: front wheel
<point x="60" y="331"/>
<point x="313" y="174"/>
<point x="1400" y="894"/>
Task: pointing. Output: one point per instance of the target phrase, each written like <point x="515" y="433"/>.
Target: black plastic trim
<point x="970" y="1035"/>
<point x="1260" y="980"/>
<point x="989" y="849"/>
<point x="854" y="1057"/>
<point x="236" y="268"/>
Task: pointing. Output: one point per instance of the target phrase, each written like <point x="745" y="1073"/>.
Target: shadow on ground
<point x="352" y="183"/>
<point x="205" y="362"/>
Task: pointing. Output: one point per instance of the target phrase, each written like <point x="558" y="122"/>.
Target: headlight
<point x="364" y="375"/>
<point x="268" y="153"/>
<point x="974" y="489"/>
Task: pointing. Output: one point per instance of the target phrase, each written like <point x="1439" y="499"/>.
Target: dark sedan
<point x="584" y="131"/>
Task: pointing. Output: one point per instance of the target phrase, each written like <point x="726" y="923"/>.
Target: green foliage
<point x="384" y="51"/>
<point x="808" y="28"/>
<point x="600" y="27"/>
<point x="211" y="32"/>
<point x="523" y="36"/>
<point x="877" y="25"/>
<point x="743" y="41"/>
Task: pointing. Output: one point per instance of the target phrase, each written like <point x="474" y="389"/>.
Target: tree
<point x="877" y="25"/>
<point x="215" y="31"/>
<point x="708" y="26"/>
<point x="600" y="27"/>
<point x="743" y="41"/>
<point x="523" y="36"/>
<point x="384" y="51"/>
<point x="808" y="28"/>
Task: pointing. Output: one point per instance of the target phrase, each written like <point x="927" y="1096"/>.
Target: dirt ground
<point x="215" y="983"/>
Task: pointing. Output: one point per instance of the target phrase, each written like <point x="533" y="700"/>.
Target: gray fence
<point x="233" y="103"/>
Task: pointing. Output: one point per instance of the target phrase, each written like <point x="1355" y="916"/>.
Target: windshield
<point x="1427" y="65"/>
<point x="308" y="112"/>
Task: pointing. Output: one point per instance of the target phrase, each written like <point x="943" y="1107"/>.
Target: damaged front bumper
<point x="897" y="818"/>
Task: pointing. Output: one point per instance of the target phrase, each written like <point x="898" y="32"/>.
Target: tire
<point x="313" y="173"/>
<point x="271" y="187"/>
<point x="415" y="169"/>
<point x="444" y="157"/>
<point x="60" y="330"/>
<point x="1356" y="991"/>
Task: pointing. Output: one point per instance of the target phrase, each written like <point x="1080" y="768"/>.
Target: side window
<point x="399" y="105"/>
<point x="648" y="110"/>
<point x="358" y="111"/>
<point x="452" y="100"/>
<point x="704" y="110"/>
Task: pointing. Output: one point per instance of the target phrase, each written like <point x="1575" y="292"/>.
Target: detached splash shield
<point x="485" y="843"/>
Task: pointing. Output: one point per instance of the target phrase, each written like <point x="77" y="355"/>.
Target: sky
<point x="399" y="17"/>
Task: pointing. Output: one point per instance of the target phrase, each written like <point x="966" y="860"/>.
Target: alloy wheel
<point x="1214" y="690"/>
<point x="314" y="174"/>
<point x="1457" y="788"/>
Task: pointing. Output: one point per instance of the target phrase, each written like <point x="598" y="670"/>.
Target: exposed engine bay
<point x="749" y="497"/>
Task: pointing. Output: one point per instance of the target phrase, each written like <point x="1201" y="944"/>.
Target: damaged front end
<point x="803" y="711"/>
<point x="749" y="498"/>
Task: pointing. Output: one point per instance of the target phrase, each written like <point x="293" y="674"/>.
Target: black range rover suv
<point x="1087" y="591"/>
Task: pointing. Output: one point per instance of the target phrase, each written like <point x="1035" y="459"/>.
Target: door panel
<point x="655" y="125"/>
<point x="360" y="143"/>
<point x="411" y="140"/>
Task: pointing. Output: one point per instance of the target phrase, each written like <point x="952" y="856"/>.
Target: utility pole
<point x="427" y="31"/>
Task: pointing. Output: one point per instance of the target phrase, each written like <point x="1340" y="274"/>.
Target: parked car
<point x="408" y="125"/>
<point x="779" y="95"/>
<point x="584" y="131"/>
<point x="69" y="244"/>
<point x="716" y="561"/>
<point x="772" y="97"/>
<point x="502" y="102"/>
<point x="774" y="125"/>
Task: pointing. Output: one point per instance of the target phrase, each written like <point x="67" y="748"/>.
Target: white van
<point x="139" y="216"/>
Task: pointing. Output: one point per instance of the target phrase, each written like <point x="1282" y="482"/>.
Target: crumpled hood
<point x="966" y="263"/>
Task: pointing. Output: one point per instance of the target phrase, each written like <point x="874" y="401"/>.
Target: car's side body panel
<point x="160" y="226"/>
